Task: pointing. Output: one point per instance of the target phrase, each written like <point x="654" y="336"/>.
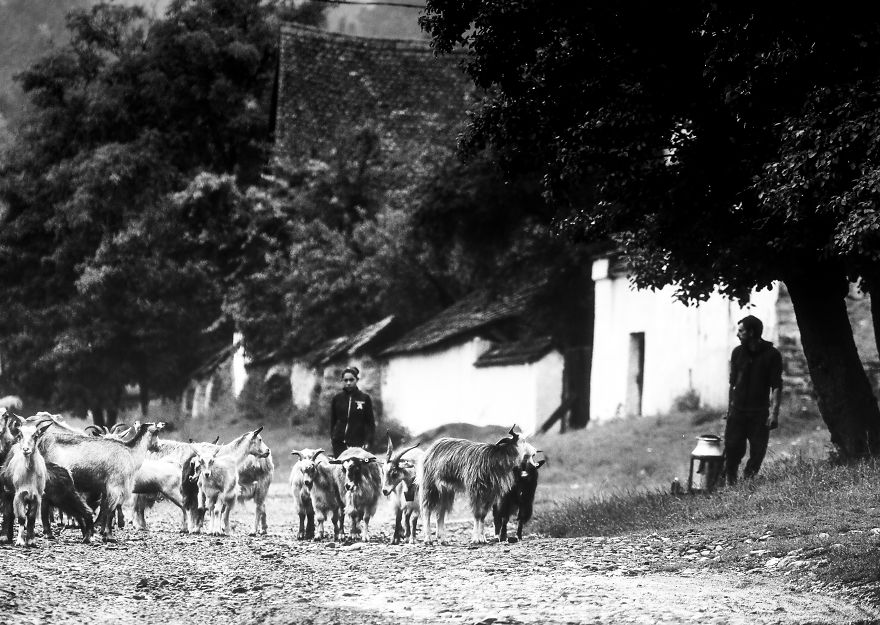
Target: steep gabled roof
<point x="516" y="353"/>
<point x="352" y="344"/>
<point x="331" y="83"/>
<point x="476" y="312"/>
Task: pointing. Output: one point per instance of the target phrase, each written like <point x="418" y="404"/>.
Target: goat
<point x="189" y="482"/>
<point x="165" y="474"/>
<point x="218" y="476"/>
<point x="315" y="493"/>
<point x="358" y="479"/>
<point x="24" y="475"/>
<point x="61" y="494"/>
<point x="398" y="482"/>
<point x="300" y="483"/>
<point x="518" y="500"/>
<point x="254" y="478"/>
<point x="60" y="489"/>
<point x="482" y="470"/>
<point x="218" y="490"/>
<point x="103" y="467"/>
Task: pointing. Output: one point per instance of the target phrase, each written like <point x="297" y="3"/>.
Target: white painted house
<point x="649" y="348"/>
<point x="463" y="367"/>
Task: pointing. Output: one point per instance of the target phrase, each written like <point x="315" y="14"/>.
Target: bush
<point x="689" y="401"/>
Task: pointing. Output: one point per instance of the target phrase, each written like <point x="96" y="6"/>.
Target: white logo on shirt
<point x="359" y="404"/>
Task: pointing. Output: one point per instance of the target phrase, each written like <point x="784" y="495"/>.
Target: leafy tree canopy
<point x="720" y="145"/>
<point x="113" y="279"/>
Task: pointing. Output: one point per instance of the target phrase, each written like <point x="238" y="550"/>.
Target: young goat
<point x="398" y="483"/>
<point x="519" y="500"/>
<point x="482" y="470"/>
<point x="254" y="478"/>
<point x="189" y="482"/>
<point x="24" y="475"/>
<point x="359" y="479"/>
<point x="218" y="477"/>
<point x="315" y="493"/>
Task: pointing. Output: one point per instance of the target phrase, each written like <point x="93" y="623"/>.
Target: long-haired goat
<point x="315" y="493"/>
<point x="217" y="476"/>
<point x="24" y="475"/>
<point x="519" y="500"/>
<point x="102" y="467"/>
<point x="399" y="483"/>
<point x="62" y="495"/>
<point x="482" y="470"/>
<point x="60" y="490"/>
<point x="359" y="480"/>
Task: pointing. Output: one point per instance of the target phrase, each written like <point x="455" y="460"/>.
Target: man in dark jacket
<point x="755" y="395"/>
<point x="352" y="422"/>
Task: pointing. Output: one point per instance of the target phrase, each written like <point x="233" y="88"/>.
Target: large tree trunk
<point x="844" y="394"/>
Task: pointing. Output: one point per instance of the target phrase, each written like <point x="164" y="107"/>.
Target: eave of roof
<point x="474" y="312"/>
<point x="516" y="353"/>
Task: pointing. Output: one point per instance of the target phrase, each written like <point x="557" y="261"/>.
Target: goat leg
<point x="46" y="518"/>
<point x="398" y="529"/>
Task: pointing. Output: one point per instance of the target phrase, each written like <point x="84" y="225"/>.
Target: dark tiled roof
<point x="477" y="311"/>
<point x="331" y="83"/>
<point x="352" y="344"/>
<point x="516" y="353"/>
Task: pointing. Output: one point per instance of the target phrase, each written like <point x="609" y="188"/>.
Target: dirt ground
<point x="167" y="578"/>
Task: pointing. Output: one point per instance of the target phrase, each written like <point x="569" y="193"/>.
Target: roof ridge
<point x="423" y="45"/>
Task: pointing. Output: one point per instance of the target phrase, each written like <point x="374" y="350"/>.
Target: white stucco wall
<point x="426" y="390"/>
<point x="239" y="361"/>
<point x="685" y="346"/>
<point x="302" y="384"/>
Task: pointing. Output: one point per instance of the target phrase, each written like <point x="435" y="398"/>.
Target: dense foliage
<point x="111" y="278"/>
<point x="720" y="146"/>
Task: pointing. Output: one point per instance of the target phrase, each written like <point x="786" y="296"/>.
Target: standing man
<point x="352" y="422"/>
<point x="755" y="395"/>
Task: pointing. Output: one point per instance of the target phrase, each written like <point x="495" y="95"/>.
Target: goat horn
<point x="400" y="454"/>
<point x="216" y="440"/>
<point x="91" y="428"/>
<point x="258" y="430"/>
<point x="390" y="446"/>
<point x="317" y="453"/>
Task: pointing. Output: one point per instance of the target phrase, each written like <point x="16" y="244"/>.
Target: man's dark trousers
<point x="743" y="427"/>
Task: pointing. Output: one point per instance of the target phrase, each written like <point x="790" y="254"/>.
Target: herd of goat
<point x="48" y="466"/>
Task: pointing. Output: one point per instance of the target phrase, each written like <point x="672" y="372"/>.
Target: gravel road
<point x="166" y="578"/>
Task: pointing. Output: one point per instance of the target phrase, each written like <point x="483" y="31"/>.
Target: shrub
<point x="689" y="401"/>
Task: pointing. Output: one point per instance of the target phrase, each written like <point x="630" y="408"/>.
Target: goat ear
<point x="514" y="434"/>
<point x="43" y="427"/>
<point x="540" y="464"/>
<point x="296" y="453"/>
<point x="390" y="446"/>
<point x="406" y="464"/>
<point x="334" y="461"/>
